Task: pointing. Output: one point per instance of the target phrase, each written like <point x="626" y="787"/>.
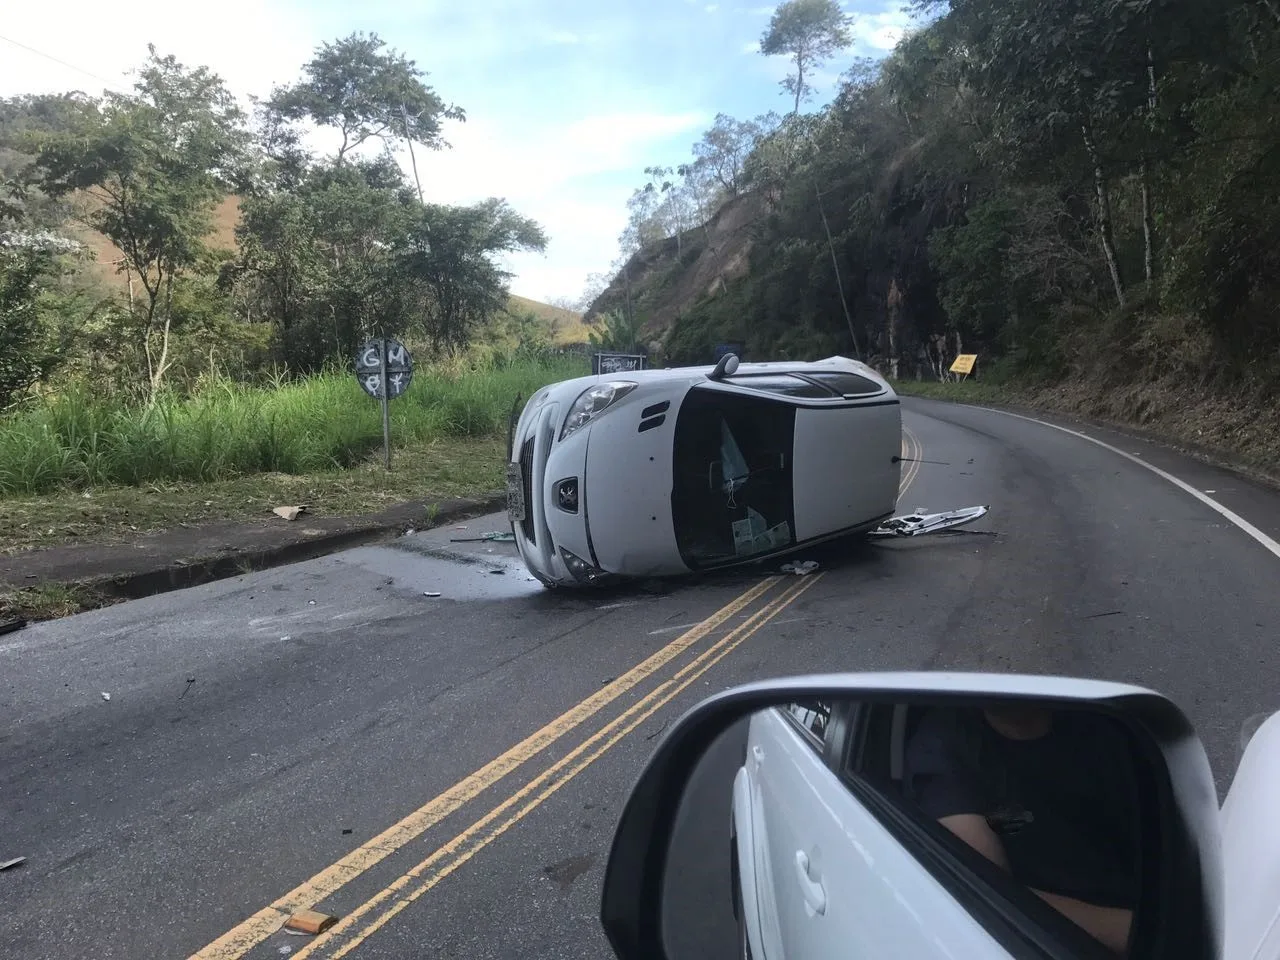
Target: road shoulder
<point x="56" y="581"/>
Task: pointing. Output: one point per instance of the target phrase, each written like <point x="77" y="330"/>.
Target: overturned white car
<point x="662" y="472"/>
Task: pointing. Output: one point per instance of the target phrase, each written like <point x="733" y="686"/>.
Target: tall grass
<point x="226" y="429"/>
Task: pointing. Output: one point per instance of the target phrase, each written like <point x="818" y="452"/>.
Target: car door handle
<point x="757" y="754"/>
<point x="814" y="895"/>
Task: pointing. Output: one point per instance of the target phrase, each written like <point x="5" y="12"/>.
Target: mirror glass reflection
<point x="845" y="829"/>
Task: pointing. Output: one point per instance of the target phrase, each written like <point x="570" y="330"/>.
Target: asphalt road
<point x="263" y="733"/>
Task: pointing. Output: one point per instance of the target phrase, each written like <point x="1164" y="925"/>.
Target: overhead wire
<point x="111" y="84"/>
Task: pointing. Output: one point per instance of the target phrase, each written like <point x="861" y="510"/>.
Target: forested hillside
<point x="1085" y="191"/>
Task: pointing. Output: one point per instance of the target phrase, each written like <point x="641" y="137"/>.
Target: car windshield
<point x="732" y="490"/>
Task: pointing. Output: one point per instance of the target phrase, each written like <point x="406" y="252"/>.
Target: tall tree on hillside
<point x="810" y="32"/>
<point x="366" y="91"/>
<point x="154" y="166"/>
<point x="723" y="150"/>
<point x="452" y="251"/>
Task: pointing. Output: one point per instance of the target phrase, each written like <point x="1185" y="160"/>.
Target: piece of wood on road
<point x="310" y="921"/>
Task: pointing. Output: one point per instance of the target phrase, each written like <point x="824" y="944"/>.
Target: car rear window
<point x="782" y="383"/>
<point x="847" y="384"/>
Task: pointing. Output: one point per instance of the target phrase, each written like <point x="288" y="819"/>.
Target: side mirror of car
<point x="921" y="815"/>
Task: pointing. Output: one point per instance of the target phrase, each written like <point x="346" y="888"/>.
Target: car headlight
<point x="594" y="401"/>
<point x="582" y="571"/>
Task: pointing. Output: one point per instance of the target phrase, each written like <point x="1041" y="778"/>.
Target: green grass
<point x="48" y="601"/>
<point x="314" y="426"/>
<point x="420" y="469"/>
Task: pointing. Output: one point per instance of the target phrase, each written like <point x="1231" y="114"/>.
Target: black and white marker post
<point x="384" y="371"/>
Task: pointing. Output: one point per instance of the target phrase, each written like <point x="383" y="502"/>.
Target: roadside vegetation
<point x="184" y="285"/>
<point x="225" y="429"/>
<point x="81" y="468"/>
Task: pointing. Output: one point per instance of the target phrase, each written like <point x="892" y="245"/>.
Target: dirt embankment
<point x="662" y="281"/>
<point x="1236" y="428"/>
<point x="1239" y="427"/>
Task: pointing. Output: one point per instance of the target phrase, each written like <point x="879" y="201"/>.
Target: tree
<point x="450" y="252"/>
<point x="595" y="284"/>
<point x="319" y="260"/>
<point x="810" y="32"/>
<point x="154" y="166"/>
<point x="27" y="350"/>
<point x="366" y="92"/>
<point x="723" y="150"/>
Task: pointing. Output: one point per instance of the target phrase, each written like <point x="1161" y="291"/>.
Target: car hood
<point x="628" y="489"/>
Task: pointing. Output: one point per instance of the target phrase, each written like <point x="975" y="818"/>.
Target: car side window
<point x="1054" y="816"/>
<point x="812" y="718"/>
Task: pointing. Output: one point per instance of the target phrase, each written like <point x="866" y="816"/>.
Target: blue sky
<point x="567" y="100"/>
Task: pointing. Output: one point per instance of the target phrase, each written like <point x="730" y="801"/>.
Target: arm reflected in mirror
<point x="974" y="830"/>
<point x="1109" y="925"/>
<point x="1045" y="796"/>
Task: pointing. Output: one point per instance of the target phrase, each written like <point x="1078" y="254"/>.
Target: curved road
<point x="444" y="773"/>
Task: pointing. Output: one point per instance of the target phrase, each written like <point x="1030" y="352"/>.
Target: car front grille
<point x="526" y="478"/>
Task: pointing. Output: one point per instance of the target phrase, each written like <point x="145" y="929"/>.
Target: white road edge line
<point x="1207" y="500"/>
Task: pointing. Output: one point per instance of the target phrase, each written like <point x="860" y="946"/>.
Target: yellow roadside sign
<point x="964" y="363"/>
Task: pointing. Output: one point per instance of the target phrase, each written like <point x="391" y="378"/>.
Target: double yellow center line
<point x="235" y="943"/>
<point x="375" y="912"/>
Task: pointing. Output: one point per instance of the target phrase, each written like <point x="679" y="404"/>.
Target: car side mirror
<point x="921" y="815"/>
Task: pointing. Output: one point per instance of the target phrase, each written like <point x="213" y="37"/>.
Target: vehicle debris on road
<point x="801" y="569"/>
<point x="16" y="861"/>
<point x="310" y="921"/>
<point x="918" y="523"/>
<point x="496" y="536"/>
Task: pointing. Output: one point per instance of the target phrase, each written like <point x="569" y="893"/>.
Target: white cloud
<point x="562" y="37"/>
<point x="711" y="7"/>
<point x="573" y="178"/>
<point x="882" y="31"/>
<point x="752" y="47"/>
<point x="251" y="44"/>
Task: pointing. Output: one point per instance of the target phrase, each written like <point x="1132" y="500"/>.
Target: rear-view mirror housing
<point x="1181" y="910"/>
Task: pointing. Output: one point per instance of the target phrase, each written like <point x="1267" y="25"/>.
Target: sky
<point x="567" y="101"/>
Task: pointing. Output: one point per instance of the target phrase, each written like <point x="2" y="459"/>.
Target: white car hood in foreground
<point x="1251" y="850"/>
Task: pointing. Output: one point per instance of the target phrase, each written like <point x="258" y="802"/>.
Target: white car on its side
<point x="662" y="472"/>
